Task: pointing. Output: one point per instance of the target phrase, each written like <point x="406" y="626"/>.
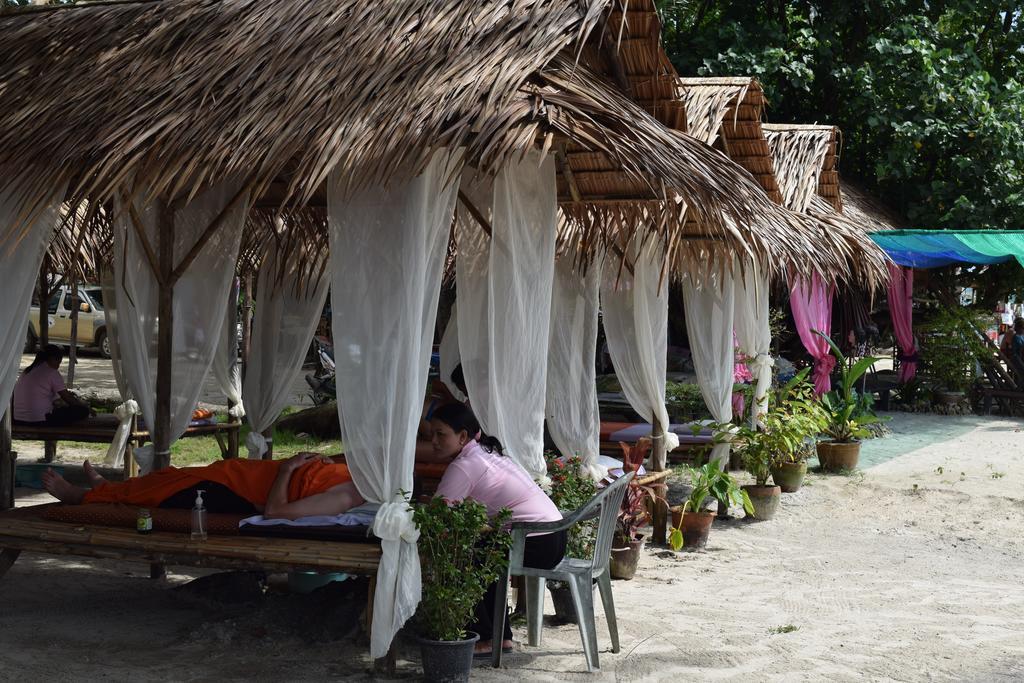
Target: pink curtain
<point x="901" y="308"/>
<point x="812" y="310"/>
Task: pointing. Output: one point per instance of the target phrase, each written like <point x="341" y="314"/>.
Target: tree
<point x="928" y="94"/>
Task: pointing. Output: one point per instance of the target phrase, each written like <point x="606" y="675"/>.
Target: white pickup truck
<point x="92" y="325"/>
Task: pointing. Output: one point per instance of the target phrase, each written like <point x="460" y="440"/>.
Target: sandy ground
<point x="861" y="577"/>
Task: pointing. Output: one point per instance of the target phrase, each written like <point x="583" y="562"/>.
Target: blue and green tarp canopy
<point x="934" y="248"/>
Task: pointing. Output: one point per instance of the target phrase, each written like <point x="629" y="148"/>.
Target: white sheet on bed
<point x="357" y="516"/>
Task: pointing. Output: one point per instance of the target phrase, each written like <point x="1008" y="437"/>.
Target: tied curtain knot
<point x="237" y="411"/>
<point x="671" y="439"/>
<point x="823" y="368"/>
<point x="394" y="522"/>
<point x="256" y="444"/>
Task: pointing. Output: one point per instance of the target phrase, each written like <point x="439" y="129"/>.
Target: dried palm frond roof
<point x="726" y="111"/>
<point x="165" y="97"/>
<point x="868" y="211"/>
<point x="806" y="163"/>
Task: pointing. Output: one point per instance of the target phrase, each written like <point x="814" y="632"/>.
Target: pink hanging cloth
<point x="812" y="310"/>
<point x="901" y="308"/>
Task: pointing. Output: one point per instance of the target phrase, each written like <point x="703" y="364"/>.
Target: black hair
<point x="461" y="419"/>
<point x="458" y="379"/>
<point x="46" y="353"/>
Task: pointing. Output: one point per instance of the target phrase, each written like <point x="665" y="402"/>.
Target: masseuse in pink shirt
<point x="479" y="471"/>
<point x="39" y="386"/>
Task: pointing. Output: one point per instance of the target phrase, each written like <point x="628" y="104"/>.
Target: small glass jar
<point x="144" y="522"/>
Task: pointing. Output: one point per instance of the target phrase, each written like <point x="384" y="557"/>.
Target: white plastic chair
<point x="578" y="574"/>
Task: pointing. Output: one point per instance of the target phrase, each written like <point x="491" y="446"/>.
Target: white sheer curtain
<point x="287" y="312"/>
<point x="574" y="420"/>
<point x="504" y="289"/>
<point x="710" y="303"/>
<point x="754" y="333"/>
<point x="22" y="245"/>
<point x="110" y="320"/>
<point x="129" y="408"/>
<point x="388" y="247"/>
<point x="199" y="297"/>
<point x="635" y="308"/>
<point x="225" y="366"/>
<point x="450" y="355"/>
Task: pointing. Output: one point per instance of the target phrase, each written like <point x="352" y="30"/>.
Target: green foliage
<point x="571" y="488"/>
<point x="950" y="346"/>
<point x="846" y="411"/>
<point x="792" y="419"/>
<point x="928" y="93"/>
<point x="709" y="483"/>
<point x="685" y="402"/>
<point x="462" y="552"/>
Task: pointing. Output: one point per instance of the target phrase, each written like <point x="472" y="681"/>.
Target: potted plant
<point x="950" y="346"/>
<point x="798" y="417"/>
<point x="627" y="541"/>
<point x="462" y="552"/>
<point x="846" y="417"/>
<point x="691" y="522"/>
<point x="570" y="489"/>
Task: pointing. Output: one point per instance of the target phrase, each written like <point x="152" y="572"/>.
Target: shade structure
<point x="934" y="248"/>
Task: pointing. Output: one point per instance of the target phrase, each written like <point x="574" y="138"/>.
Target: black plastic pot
<point x="447" y="661"/>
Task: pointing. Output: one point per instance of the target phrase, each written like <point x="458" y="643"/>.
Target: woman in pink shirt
<point x="39" y="386"/>
<point x="480" y="471"/>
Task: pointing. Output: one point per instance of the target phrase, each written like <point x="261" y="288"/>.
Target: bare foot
<point x="483" y="647"/>
<point x="92" y="475"/>
<point x="58" y="487"/>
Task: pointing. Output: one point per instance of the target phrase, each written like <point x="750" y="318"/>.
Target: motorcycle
<point x="321" y="381"/>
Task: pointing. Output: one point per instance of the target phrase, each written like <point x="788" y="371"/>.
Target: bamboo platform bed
<point x="101" y="429"/>
<point x="25" y="530"/>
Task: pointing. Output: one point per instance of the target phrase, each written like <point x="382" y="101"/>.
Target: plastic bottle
<point x="199" y="519"/>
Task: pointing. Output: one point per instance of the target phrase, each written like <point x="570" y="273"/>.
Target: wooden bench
<point x="101" y="429"/>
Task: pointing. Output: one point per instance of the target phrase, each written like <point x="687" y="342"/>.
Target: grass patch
<point x="202" y="450"/>
<point x="778" y="630"/>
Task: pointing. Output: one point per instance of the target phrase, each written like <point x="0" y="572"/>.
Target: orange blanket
<point x="250" y="479"/>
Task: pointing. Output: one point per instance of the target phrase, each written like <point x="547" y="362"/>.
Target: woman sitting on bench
<point x="304" y="485"/>
<point x="39" y="386"/>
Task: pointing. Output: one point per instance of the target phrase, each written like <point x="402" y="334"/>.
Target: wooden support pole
<point x="6" y="462"/>
<point x="44" y="303"/>
<point x="246" y="323"/>
<point x="76" y="304"/>
<point x="161" y="427"/>
<point x="659" y="457"/>
<point x="268" y="434"/>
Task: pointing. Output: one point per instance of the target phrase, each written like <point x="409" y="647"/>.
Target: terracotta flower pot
<point x="695" y="527"/>
<point x="835" y="456"/>
<point x="765" y="500"/>
<point x="625" y="559"/>
<point x="789" y="476"/>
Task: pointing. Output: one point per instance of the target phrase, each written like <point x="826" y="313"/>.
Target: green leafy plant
<point x="709" y="483"/>
<point x="685" y="402"/>
<point x="949" y="347"/>
<point x="571" y="488"/>
<point x="462" y="552"/>
<point x="785" y="431"/>
<point x="846" y="418"/>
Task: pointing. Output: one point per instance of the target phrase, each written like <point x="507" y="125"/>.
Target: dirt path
<point x="859" y="578"/>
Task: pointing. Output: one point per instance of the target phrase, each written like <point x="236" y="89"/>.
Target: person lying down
<point x="304" y="485"/>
